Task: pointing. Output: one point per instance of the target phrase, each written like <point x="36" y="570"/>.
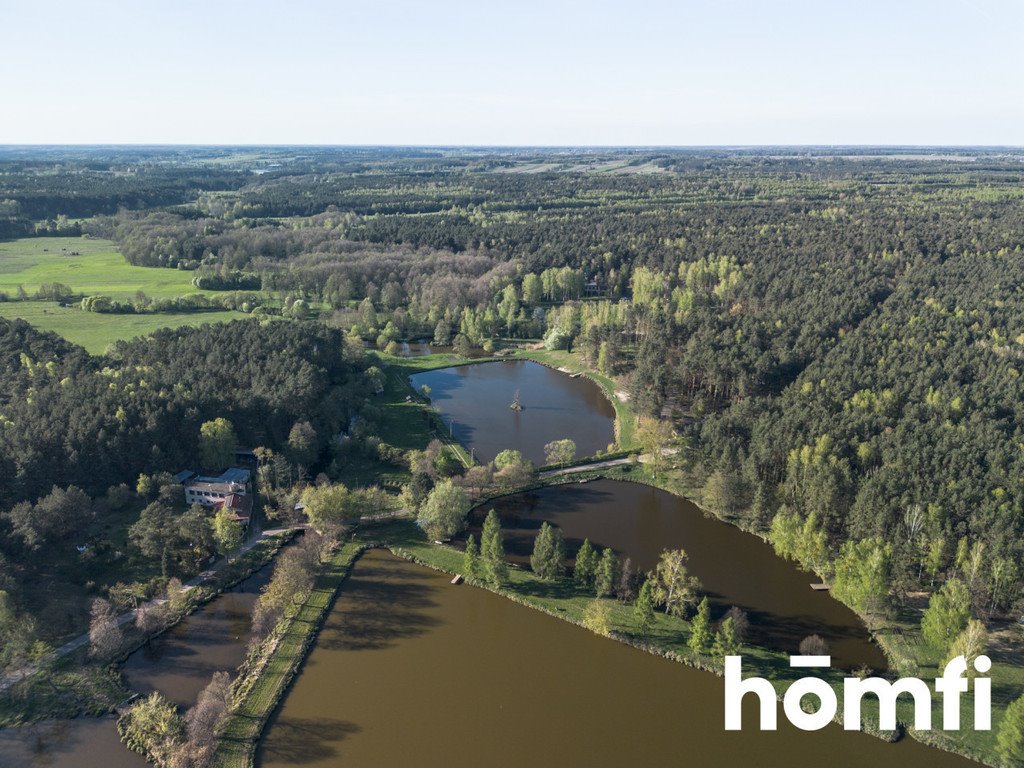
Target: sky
<point x="459" y="72"/>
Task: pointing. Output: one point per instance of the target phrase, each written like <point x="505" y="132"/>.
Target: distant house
<point x="213" y="491"/>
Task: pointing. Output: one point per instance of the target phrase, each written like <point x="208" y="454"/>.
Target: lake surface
<point x="475" y="399"/>
<point x="735" y="568"/>
<point x="410" y="670"/>
<point x="179" y="663"/>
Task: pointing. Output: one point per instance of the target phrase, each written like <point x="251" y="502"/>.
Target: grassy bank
<point x="409" y="421"/>
<point x="406" y="421"/>
<point x="260" y="689"/>
<point x="900" y="639"/>
<point x="668" y="638"/>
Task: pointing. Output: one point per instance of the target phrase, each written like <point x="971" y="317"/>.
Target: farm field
<point x="96" y="268"/>
<point x="96" y="331"/>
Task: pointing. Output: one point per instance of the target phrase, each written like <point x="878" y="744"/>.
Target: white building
<point x="212" y="491"/>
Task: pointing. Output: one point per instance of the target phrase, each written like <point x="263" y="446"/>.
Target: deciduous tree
<point x="152" y="726"/>
<point x="203" y="719"/>
<point x="227" y="531"/>
<point x="597" y="617"/>
<point x="105" y="636"/>
<point x="971" y="643"/>
<point x="946" y="616"/>
<point x="862" y="576"/>
<point x="1010" y="737"/>
<point x="560" y="452"/>
<point x="673" y="586"/>
<point x="444" y="512"/>
<point x="625" y="589"/>
<point x="217" y="443"/>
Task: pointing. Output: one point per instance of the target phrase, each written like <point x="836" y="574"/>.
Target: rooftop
<point x="232" y="475"/>
<point x="239" y="504"/>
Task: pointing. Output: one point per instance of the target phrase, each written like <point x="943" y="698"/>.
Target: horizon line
<point x="354" y="145"/>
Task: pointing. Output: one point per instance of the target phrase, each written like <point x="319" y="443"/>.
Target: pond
<point x="410" y="670"/>
<point x="735" y="568"/>
<point x="475" y="400"/>
<point x="179" y="663"/>
<point x="85" y="742"/>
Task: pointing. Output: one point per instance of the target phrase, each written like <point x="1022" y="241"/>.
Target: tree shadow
<point x="561" y="590"/>
<point x="297" y="741"/>
<point x="379" y="608"/>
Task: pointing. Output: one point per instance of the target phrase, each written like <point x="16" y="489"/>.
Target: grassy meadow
<point x="96" y="331"/>
<point x="98" y="268"/>
<point x="91" y="266"/>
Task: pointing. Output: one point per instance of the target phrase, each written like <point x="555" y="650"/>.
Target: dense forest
<point x="69" y="418"/>
<point x="86" y="441"/>
<point x="837" y="335"/>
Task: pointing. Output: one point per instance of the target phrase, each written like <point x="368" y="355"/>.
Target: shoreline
<point x="772" y="665"/>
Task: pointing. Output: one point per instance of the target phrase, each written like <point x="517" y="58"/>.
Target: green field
<point x="96" y="331"/>
<point x="98" y="269"/>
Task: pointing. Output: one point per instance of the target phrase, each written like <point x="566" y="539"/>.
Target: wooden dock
<point x="457" y="579"/>
<point x="819" y="587"/>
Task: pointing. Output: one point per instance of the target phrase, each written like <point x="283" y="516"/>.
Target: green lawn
<point x="408" y="424"/>
<point x="96" y="331"/>
<point x="99" y="269"/>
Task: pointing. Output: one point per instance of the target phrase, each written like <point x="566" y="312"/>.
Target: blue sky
<point x="525" y="72"/>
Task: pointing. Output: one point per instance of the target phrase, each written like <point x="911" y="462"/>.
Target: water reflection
<point x="179" y="663"/>
<point x="368" y="627"/>
<point x="735" y="568"/>
<point x="411" y="670"/>
<point x="475" y="400"/>
<point x="85" y="742"/>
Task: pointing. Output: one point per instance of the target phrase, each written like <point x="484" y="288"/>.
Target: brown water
<point x="735" y="568"/>
<point x="475" y="400"/>
<point x="179" y="663"/>
<point x="85" y="742"/>
<point x="410" y="670"/>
